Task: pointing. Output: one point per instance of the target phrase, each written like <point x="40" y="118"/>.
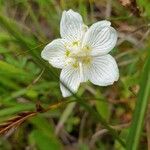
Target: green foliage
<point x="140" y="109"/>
<point x="144" y="5"/>
<point x="42" y="137"/>
<point x="102" y="107"/>
<point x="26" y="79"/>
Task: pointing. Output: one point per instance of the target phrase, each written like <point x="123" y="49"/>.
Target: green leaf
<point x="140" y="109"/>
<point x="15" y="109"/>
<point x="102" y="107"/>
<point x="146" y="5"/>
<point x="44" y="136"/>
<point x="42" y="141"/>
<point x="6" y="82"/>
<point x="6" y="67"/>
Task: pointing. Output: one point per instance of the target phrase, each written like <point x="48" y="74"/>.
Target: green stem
<point x="98" y="117"/>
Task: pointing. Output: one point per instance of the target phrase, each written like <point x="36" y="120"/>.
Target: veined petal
<point x="103" y="70"/>
<point x="54" y="52"/>
<point x="70" y="77"/>
<point x="71" y="26"/>
<point x="100" y="37"/>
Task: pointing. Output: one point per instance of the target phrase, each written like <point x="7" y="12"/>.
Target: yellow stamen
<point x="67" y="52"/>
<point x="75" y="65"/>
<point x="75" y="43"/>
<point x="86" y="48"/>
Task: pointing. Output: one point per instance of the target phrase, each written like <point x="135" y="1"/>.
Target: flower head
<point x="82" y="53"/>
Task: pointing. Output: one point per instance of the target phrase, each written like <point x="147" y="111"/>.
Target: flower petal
<point x="70" y="77"/>
<point x="100" y="37"/>
<point x="54" y="52"/>
<point x="71" y="25"/>
<point x="103" y="70"/>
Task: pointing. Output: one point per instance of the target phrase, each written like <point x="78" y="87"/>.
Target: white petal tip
<point x="108" y="23"/>
<point x="64" y="91"/>
<point x="70" y="11"/>
<point x="66" y="95"/>
<point x="44" y="55"/>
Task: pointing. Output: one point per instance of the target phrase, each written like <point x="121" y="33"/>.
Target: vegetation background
<point x="98" y="118"/>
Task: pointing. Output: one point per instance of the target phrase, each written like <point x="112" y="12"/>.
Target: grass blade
<point x="140" y="109"/>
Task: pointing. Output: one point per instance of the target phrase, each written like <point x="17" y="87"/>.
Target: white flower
<point x="82" y="53"/>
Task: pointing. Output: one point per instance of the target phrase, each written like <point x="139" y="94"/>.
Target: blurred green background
<point x="26" y="26"/>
